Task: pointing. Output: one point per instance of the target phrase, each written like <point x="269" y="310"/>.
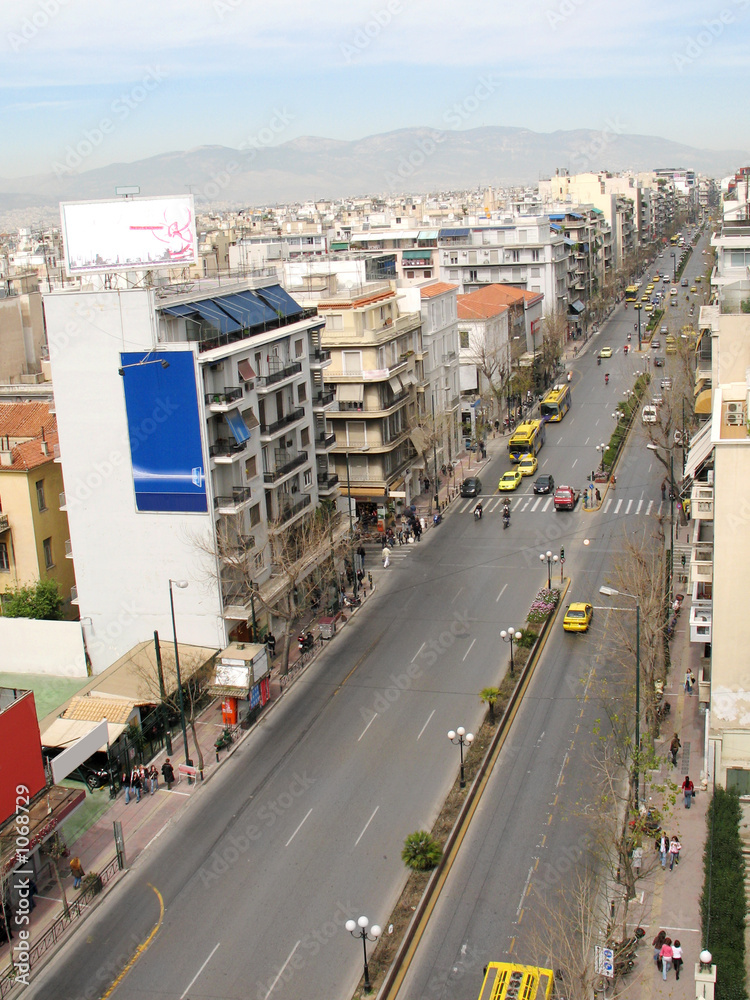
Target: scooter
<point x="506" y="517"/>
<point x="478" y="512"/>
<point x="437" y="518"/>
<point x="351" y="602"/>
<point x="606" y="379"/>
<point x="305" y="641"/>
<point x="598" y="361"/>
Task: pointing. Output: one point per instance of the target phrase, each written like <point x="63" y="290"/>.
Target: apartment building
<point x="21" y="328"/>
<point x="193" y="431"/>
<point x="34" y="537"/>
<point x="440" y="352"/>
<point x="486" y="353"/>
<point x="376" y="369"/>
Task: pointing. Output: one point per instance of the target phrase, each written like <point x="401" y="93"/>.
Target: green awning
<point x="425" y="254"/>
<point x="339" y="246"/>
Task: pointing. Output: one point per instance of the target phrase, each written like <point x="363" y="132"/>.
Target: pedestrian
<point x="598" y="496"/>
<point x="497" y="427"/>
<point x="427" y="484"/>
<point x="422" y="526"/>
<point x="663" y="849"/>
<point x="666" y="957"/>
<point x="688" y="684"/>
<point x="664" y="489"/>
<point x="271" y="644"/>
<point x="361" y="554"/>
<point x="126" y="786"/>
<point x="688" y="788"/>
<point x="657" y="943"/>
<point x="637" y="860"/>
<point x="692" y="681"/>
<point x="386" y="557"/>
<point x="674" y="749"/>
<point x="77" y="870"/>
<point x="674" y="851"/>
<point x="168" y="772"/>
<point x="136" y="784"/>
<point x="400" y="535"/>
<point x="677" y="958"/>
<point x="153" y="779"/>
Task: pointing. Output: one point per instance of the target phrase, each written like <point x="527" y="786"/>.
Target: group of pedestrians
<point x="146" y="779"/>
<point x="667" y="954"/>
<point x="668" y="847"/>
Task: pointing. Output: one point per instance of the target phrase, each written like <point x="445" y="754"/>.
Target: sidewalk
<point x="671" y="898"/>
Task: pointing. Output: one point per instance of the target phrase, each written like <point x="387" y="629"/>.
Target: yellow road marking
<point x="512" y="945"/>
<point x="141" y="949"/>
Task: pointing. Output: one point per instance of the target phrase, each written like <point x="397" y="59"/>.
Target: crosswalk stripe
<point x="640" y="505"/>
<point x="608" y="504"/>
<point x="650" y="505"/>
<point x="630" y="504"/>
<point x="549" y="501"/>
<point x="617" y="508"/>
<point x="495" y="503"/>
<point x="536" y="504"/>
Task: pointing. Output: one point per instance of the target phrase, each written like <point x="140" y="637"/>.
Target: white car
<point x="649" y="415"/>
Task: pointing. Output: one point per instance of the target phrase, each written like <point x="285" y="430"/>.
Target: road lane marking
<point x="455" y="596"/>
<point x="546" y="506"/>
<point x="281" y="970"/>
<point x="494" y="502"/>
<point x="523" y="891"/>
<point x="630" y="504"/>
<point x="650" y="505"/>
<point x="505" y="585"/>
<point x="141" y="947"/>
<point x="608" y="504"/>
<point x="469" y="649"/>
<point x="187" y="988"/>
<point x="426" y="723"/>
<point x="417" y="653"/>
<point x="640" y="504"/>
<point x="292" y="838"/>
<point x="562" y="768"/>
<point x="366" y="825"/>
<point x="368" y="725"/>
<point x="574" y="462"/>
<point x="617" y="508"/>
<point x="536" y="504"/>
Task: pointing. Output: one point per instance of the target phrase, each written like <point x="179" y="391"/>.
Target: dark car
<point x="92" y="772"/>
<point x="659" y="361"/>
<point x="544" y="484"/>
<point x="471" y="487"/>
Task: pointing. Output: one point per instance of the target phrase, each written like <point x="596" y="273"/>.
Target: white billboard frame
<point x="128" y="234"/>
<point x="81" y="750"/>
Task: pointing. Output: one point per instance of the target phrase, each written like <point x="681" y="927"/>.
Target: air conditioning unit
<point x="735" y="419"/>
<point x="736" y="408"/>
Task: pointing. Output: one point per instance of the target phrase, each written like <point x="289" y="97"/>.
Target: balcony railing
<point x="239" y="549"/>
<point x="325" y="440"/>
<point x="230" y="395"/>
<point x="319" y="357"/>
<point x="323" y="397"/>
<point x="62" y="501"/>
<point x="68" y="549"/>
<point x="326" y="483"/>
<point x="226" y="448"/>
<point x="4" y="522"/>
<point x="74" y="595"/>
<point x="287" y="513"/>
<point x="299" y="459"/>
<point x="264" y="381"/>
<point x="239" y="496"/>
<point x="701" y="614"/>
<point x="702" y="503"/>
<point x="284" y="421"/>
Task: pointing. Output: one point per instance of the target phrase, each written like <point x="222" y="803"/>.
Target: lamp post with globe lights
<point x="358" y="929"/>
<point x="461" y="738"/>
<point x="509" y="636"/>
<point x="550" y="560"/>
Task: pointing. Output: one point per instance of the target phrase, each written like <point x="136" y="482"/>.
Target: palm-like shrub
<point x="421" y="851"/>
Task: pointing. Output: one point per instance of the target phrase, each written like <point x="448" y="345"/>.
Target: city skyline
<point x="242" y="75"/>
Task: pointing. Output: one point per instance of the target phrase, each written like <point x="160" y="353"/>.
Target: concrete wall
<point x="34" y="647"/>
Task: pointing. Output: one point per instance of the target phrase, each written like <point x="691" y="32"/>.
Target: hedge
<point x="723" y="906"/>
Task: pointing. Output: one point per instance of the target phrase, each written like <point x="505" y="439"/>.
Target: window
<point x="307" y="478"/>
<point x="356" y="436"/>
<point x="301" y="392"/>
<point x="47" y="546"/>
<point x="299" y="349"/>
<point x="335" y="322"/>
<point x="304" y="436"/>
<point x="4" y="560"/>
<point x="409" y="274"/>
<point x="464" y="338"/>
<point x="535" y="255"/>
<point x="515" y="256"/>
<point x="255" y="515"/>
<point x="41" y="503"/>
<point x="738" y="780"/>
<point x="473" y="275"/>
<point x="453" y="258"/>
<point x="427" y="274"/>
<point x="352" y="361"/>
<point x="251" y="467"/>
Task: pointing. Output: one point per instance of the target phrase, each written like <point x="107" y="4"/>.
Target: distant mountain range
<point x="409" y="160"/>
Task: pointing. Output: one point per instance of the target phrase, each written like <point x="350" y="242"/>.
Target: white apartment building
<point x="192" y="427"/>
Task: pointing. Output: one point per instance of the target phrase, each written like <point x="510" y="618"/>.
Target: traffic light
<point x="562" y="552"/>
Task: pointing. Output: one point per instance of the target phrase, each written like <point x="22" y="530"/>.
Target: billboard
<point x="21" y="765"/>
<point x="129" y="233"/>
<point x="165" y="432"/>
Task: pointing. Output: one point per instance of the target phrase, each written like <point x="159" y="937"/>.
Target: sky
<point x="126" y="81"/>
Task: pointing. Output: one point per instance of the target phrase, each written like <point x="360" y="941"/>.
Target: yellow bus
<point x="556" y="403"/>
<point x="526" y="439"/>
<point x="631" y="293"/>
<point x="674" y="240"/>
<point x="511" y="981"/>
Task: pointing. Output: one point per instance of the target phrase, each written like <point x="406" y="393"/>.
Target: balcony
<point x="220" y="402"/>
<point x="74" y="596"/>
<point x="702" y="563"/>
<point x="701" y="614"/>
<point x="68" y="549"/>
<point x="4" y="523"/>
<point x="235" y="502"/>
<point x="370" y="406"/>
<point x="323" y="398"/>
<point x="264" y="383"/>
<point x="702" y="503"/>
<point x="327" y="483"/>
<point x="282" y="470"/>
<point x="224" y="451"/>
<point x="268" y="430"/>
<point x="369" y="374"/>
<point x="62" y="502"/>
<point x="235" y="600"/>
<point x="241" y="547"/>
<point x="325" y="441"/>
<point x="56" y="453"/>
<point x="320" y="359"/>
<point x="287" y="513"/>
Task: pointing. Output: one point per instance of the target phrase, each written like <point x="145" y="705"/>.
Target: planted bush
<point x="421" y="851"/>
<point x="543" y="605"/>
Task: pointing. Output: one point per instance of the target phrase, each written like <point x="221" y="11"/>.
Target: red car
<point x="566" y="497"/>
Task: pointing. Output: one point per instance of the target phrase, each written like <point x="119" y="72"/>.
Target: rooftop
<point x="25" y="420"/>
<point x="439" y="288"/>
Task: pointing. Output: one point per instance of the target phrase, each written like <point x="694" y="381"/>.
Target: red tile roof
<point x="25" y="420"/>
<point x="437" y="289"/>
<point x="471" y="308"/>
<point x="29" y="455"/>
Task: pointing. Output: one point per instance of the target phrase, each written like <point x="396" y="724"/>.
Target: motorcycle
<point x="598" y="361"/>
<point x="478" y="512"/>
<point x="305" y="641"/>
<point x="606" y="379"/>
<point x="351" y="602"/>
<point x="437" y="518"/>
<point x="506" y="517"/>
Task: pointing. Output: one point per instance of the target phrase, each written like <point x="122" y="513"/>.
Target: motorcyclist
<point x="478" y="511"/>
<point x="598" y="360"/>
<point x="606" y="378"/>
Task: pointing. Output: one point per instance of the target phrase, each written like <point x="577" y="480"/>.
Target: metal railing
<point x="240" y="495"/>
<point x="322" y="398"/>
<point x="226" y="447"/>
<point x="263" y="381"/>
<point x="288" y="513"/>
<point x="230" y="395"/>
<point x="299" y="459"/>
<point x="282" y="422"/>
<point x="327" y="482"/>
<point x="325" y="440"/>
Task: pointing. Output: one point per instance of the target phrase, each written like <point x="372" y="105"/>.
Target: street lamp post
<point x="672" y="497"/>
<point x="509" y="636"/>
<point x="601" y="448"/>
<point x="181" y="584"/>
<point x="674" y="267"/>
<point x="611" y="592"/>
<point x="461" y="738"/>
<point x="351" y="525"/>
<point x="550" y="559"/>
<point x="358" y="929"/>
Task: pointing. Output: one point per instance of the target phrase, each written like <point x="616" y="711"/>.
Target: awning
<point x="700" y="385"/>
<point x="339" y="246"/>
<point x="279" y="299"/>
<point x="395" y="383"/>
<point x="351" y="392"/>
<point x="577" y="306"/>
<point x="216" y="317"/>
<point x="425" y="254"/>
<point x="700" y="448"/>
<point x="65" y="732"/>
<point x="238" y="427"/>
<point x="428" y="234"/>
<point x="703" y="402"/>
<point x="449" y="234"/>
<point x="247" y="309"/>
<point x="250" y="419"/>
<point x="245" y="371"/>
<point x="179" y="310"/>
<point x="409" y="378"/>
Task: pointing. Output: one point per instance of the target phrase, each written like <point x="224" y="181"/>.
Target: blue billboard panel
<point x="165" y="432"/>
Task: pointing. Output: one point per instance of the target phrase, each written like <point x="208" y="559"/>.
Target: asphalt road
<point x="303" y="827"/>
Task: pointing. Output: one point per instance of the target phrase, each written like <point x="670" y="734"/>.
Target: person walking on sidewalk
<point x="677" y="958"/>
<point x="688" y="683"/>
<point x="674" y="749"/>
<point x="663" y="849"/>
<point x="666" y="957"/>
<point x="674" y="852"/>
<point x="153" y="779"/>
<point x="168" y="772"/>
<point x="656" y="944"/>
<point x="135" y="783"/>
<point x="77" y="871"/>
<point x="688" y="788"/>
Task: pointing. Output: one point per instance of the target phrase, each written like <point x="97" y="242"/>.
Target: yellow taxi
<point x="693" y="288"/>
<point x="650" y="287"/>
<point x="648" y="307"/>
<point x="697" y="278"/>
<point x="510" y="480"/>
<point x="645" y="297"/>
<point x="655" y="277"/>
<point x="528" y="465"/>
<point x="578" y="617"/>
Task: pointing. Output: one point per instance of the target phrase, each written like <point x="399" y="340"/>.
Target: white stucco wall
<point x="123" y="558"/>
<point x="37" y="647"/>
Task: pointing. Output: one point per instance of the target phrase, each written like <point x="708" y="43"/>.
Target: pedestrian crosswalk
<point x="531" y="503"/>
